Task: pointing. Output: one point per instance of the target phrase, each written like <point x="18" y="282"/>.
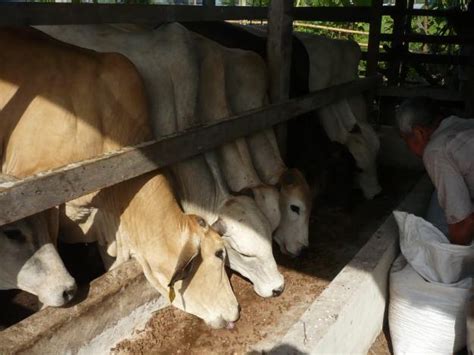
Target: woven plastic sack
<point x="470" y="324"/>
<point x="430" y="253"/>
<point x="426" y="317"/>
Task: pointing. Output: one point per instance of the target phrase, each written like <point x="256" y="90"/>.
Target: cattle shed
<point x="336" y="295"/>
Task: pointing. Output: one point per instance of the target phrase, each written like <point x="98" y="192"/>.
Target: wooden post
<point x="279" y="49"/>
<point x="399" y="26"/>
<point x="405" y="48"/>
<point x="373" y="47"/>
<point x="374" y="37"/>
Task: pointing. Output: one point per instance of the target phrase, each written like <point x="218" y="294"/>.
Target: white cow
<point x="28" y="257"/>
<point x="65" y="104"/>
<point x="244" y="87"/>
<point x="168" y="61"/>
<point x="217" y="89"/>
<point x="334" y="62"/>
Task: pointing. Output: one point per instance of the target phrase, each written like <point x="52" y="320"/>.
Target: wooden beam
<point x="392" y="11"/>
<point x="399" y="25"/>
<point x="209" y="2"/>
<point x="434" y="93"/>
<point x="428" y="58"/>
<point x="424" y="58"/>
<point x="279" y="49"/>
<point x="374" y="37"/>
<point x="421" y="38"/>
<point x="37" y="193"/>
<point x="23" y="14"/>
<point x="334" y="14"/>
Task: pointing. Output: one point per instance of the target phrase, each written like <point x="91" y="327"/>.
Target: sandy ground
<point x="335" y="237"/>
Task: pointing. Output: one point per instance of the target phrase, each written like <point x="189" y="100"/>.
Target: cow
<point x="168" y="60"/>
<point x="309" y="71"/>
<point x="344" y="121"/>
<point x="29" y="259"/>
<point x="64" y="104"/>
<point x="244" y="87"/>
<point x="217" y="91"/>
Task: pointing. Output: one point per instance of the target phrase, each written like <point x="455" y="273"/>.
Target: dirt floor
<point x="335" y="237"/>
<point x="382" y="345"/>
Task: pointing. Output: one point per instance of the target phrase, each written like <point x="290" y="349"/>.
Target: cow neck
<point x="197" y="191"/>
<point x="152" y="221"/>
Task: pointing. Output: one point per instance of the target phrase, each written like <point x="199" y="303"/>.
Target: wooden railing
<point x="49" y="189"/>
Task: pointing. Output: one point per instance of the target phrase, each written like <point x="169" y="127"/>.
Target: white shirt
<point x="449" y="161"/>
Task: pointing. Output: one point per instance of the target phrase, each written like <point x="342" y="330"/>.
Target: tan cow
<point x="65" y="104"/>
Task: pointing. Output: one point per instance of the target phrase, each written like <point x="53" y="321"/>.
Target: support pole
<point x="399" y="25"/>
<point x="374" y="37"/>
<point x="279" y="49"/>
<point x="373" y="47"/>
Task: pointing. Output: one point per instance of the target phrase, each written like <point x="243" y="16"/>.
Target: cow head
<point x="29" y="260"/>
<point x="364" y="146"/>
<point x="200" y="280"/>
<point x="198" y="283"/>
<point x="248" y="239"/>
<point x="295" y="207"/>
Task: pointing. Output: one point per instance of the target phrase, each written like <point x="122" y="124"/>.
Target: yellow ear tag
<point x="171" y="294"/>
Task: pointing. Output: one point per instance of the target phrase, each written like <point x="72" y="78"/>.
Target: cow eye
<point x="295" y="209"/>
<point x="14" y="234"/>
<point x="220" y="254"/>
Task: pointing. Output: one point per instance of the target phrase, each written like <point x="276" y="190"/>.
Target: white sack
<point x="430" y="253"/>
<point x="426" y="317"/>
<point x="470" y="324"/>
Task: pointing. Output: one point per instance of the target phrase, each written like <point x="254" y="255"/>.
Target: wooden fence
<point x="36" y="193"/>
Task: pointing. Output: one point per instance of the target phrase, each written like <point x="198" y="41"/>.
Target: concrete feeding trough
<point x="345" y="318"/>
<point x="117" y="303"/>
<point x="348" y="316"/>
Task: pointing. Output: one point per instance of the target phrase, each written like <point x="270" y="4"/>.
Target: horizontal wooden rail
<point x="36" y="193"/>
<point x="449" y="13"/>
<point x="61" y="13"/>
<point x="429" y="58"/>
<point x="424" y="58"/>
<point x="20" y="14"/>
<point x="421" y="38"/>
<point x="440" y="94"/>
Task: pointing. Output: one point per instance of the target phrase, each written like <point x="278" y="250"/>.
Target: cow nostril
<point x="239" y="308"/>
<point x="69" y="293"/>
<point x="277" y="292"/>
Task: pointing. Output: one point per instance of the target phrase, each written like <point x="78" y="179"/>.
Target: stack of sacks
<point x="429" y="289"/>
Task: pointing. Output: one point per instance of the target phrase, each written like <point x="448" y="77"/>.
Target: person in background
<point x="447" y="148"/>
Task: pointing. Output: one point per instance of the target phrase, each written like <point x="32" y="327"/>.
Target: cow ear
<point x="219" y="226"/>
<point x="184" y="265"/>
<point x="201" y="222"/>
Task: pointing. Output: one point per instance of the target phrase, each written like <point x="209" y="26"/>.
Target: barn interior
<point x="336" y="292"/>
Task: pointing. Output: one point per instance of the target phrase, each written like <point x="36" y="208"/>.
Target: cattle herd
<point x="69" y="93"/>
